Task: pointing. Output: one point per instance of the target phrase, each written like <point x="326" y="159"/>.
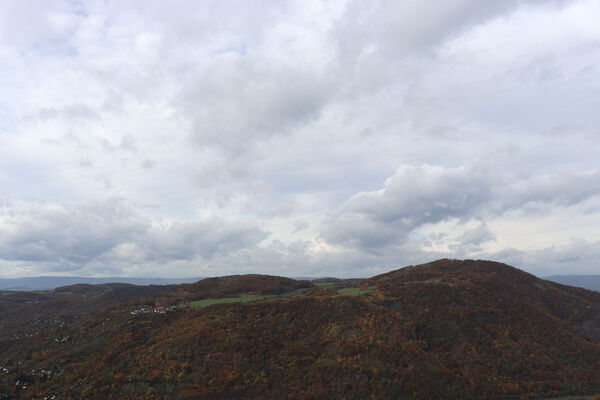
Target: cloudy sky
<point x="297" y="138"/>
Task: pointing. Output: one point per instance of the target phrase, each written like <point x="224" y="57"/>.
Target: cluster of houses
<point x="44" y="373"/>
<point x="20" y="335"/>
<point x="41" y="324"/>
<point x="52" y="322"/>
<point x="148" y="310"/>
<point x="62" y="340"/>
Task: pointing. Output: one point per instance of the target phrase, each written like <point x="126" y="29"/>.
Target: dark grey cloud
<point x="235" y="102"/>
<point x="71" y="237"/>
<point x="204" y="239"/>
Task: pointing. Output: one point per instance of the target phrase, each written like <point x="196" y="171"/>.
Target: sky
<point x="297" y="138"/>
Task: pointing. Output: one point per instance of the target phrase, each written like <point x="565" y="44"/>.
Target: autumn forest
<point x="448" y="329"/>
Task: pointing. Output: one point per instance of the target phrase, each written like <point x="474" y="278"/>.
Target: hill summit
<point x="460" y="270"/>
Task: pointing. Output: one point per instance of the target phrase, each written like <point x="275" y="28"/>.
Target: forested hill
<point x="448" y="329"/>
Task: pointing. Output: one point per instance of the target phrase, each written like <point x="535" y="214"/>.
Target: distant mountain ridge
<point x="591" y="282"/>
<point x="52" y="282"/>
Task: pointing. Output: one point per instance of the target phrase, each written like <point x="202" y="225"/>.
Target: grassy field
<point x="241" y="299"/>
<point x="245" y="298"/>
<point x="327" y="285"/>
<point x="354" y="291"/>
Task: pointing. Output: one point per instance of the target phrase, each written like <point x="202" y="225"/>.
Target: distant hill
<point x="591" y="282"/>
<point x="52" y="282"/>
<point x="451" y="329"/>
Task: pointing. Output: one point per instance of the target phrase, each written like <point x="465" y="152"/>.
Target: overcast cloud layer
<point x="298" y="138"/>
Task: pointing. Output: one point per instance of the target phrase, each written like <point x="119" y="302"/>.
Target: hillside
<point x="447" y="329"/>
<point x="25" y="314"/>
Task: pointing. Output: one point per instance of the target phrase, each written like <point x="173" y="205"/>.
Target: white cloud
<point x="308" y="137"/>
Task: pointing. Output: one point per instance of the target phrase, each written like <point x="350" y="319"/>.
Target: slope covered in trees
<point x="447" y="329"/>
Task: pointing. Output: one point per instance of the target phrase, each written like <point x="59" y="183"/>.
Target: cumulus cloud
<point x="412" y="197"/>
<point x="415" y="197"/>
